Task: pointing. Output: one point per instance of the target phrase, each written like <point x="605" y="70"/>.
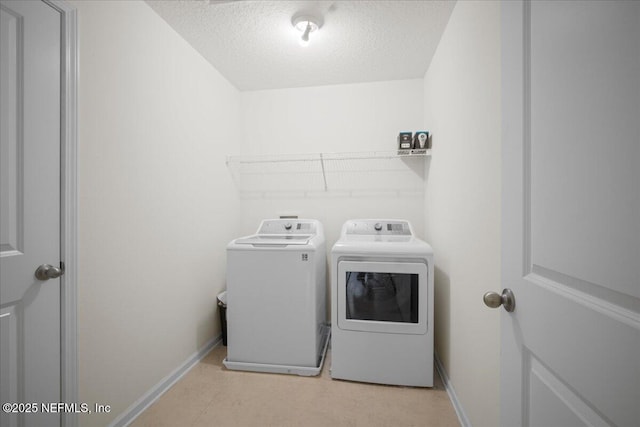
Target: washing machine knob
<point x="287" y="226"/>
<point x="378" y="226"/>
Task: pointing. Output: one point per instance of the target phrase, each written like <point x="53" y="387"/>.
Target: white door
<point x="30" y="42"/>
<point x="571" y="213"/>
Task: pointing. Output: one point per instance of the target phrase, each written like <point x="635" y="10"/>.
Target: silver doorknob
<point x="46" y="272"/>
<point x="495" y="300"/>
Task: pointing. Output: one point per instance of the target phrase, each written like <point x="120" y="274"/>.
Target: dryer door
<point x="385" y="297"/>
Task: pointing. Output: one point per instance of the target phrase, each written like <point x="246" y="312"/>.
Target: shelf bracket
<point x="324" y="175"/>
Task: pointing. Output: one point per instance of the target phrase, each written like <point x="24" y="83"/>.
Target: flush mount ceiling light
<point x="306" y="24"/>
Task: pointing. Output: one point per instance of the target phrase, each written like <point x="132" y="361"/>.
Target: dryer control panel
<point x="377" y="227"/>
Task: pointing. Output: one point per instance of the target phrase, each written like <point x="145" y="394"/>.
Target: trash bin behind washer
<point x="222" y="308"/>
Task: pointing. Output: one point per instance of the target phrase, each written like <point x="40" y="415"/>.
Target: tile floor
<point x="211" y="395"/>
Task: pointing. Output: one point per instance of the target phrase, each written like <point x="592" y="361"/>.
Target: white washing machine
<point x="276" y="299"/>
<point x="382" y="304"/>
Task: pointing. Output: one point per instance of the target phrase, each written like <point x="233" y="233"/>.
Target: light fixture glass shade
<point x="306" y="24"/>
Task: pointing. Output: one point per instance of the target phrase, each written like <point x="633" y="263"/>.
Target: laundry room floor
<point x="211" y="395"/>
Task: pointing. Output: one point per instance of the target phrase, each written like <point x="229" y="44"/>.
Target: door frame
<point x="68" y="206"/>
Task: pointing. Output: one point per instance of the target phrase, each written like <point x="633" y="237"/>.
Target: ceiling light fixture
<point x="306" y="24"/>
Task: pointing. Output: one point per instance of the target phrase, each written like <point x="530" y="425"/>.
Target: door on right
<point x="571" y="213"/>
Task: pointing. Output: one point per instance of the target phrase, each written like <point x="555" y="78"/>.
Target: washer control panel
<point x="378" y="227"/>
<point x="287" y="226"/>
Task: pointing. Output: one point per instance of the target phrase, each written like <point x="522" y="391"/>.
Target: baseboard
<point x="159" y="389"/>
<point x="457" y="406"/>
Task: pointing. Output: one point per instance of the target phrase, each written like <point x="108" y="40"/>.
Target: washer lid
<point x="275" y="239"/>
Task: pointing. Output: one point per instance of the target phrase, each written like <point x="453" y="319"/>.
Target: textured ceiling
<point x="254" y="45"/>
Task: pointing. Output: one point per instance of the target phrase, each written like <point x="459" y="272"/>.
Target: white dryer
<point x="382" y="304"/>
<point x="276" y="299"/>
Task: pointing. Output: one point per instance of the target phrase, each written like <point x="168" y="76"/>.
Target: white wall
<point x="157" y="206"/>
<point x="340" y="118"/>
<point x="462" y="203"/>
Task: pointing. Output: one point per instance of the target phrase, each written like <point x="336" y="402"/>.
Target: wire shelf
<point x="314" y="172"/>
